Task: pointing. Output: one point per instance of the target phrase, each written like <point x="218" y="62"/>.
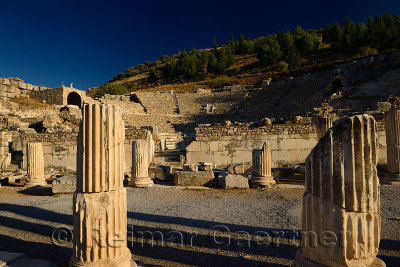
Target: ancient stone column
<point x="341" y="206"/>
<point x="35" y="165"/>
<point x="140" y="164"/>
<point x="323" y="125"/>
<point x="100" y="215"/>
<point x="262" y="167"/>
<point x="392" y="125"/>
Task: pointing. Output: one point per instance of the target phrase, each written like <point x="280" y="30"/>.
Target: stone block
<point x="29" y="86"/>
<point x="205" y="166"/>
<point x="65" y="184"/>
<point x="21" y="85"/>
<point x="11" y="89"/>
<point x="162" y="172"/>
<point x="4" y="81"/>
<point x="14" y="82"/>
<point x="227" y="180"/>
<point x="190" y="178"/>
<point x="190" y="167"/>
<point x="35" y="88"/>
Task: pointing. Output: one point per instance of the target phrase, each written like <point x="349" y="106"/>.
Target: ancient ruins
<point x="253" y="142"/>
<point x="341" y="206"/>
<point x="100" y="235"/>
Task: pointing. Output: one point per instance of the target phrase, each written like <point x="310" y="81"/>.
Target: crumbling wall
<point x="52" y="96"/>
<point x="15" y="87"/>
<point x="223" y="102"/>
<point x="290" y="144"/>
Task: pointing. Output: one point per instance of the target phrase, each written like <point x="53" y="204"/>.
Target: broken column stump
<point x="261" y="166"/>
<point x="341" y="206"/>
<point x="323" y="124"/>
<point x="392" y="126"/>
<point x="35" y="165"/>
<point x="140" y="165"/>
<point x="99" y="205"/>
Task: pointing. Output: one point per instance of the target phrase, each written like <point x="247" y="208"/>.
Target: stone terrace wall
<point x="290" y="144"/>
<point x="127" y="106"/>
<point x="191" y="103"/>
<point x="60" y="148"/>
<point x="158" y="102"/>
<point x="15" y="87"/>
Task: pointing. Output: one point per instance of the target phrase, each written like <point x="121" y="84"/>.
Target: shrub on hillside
<point x="220" y="82"/>
<point x="112" y="89"/>
<point x="282" y="66"/>
<point x="366" y="51"/>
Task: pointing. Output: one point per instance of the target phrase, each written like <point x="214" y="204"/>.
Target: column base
<point x="34" y="182"/>
<point x="301" y="261"/>
<point x="124" y="261"/>
<point x="266" y="181"/>
<point x="141" y="182"/>
<point x="391" y="179"/>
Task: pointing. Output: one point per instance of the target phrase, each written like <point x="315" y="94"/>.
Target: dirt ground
<point x="175" y="226"/>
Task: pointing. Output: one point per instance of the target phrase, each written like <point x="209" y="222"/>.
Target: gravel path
<point x="189" y="227"/>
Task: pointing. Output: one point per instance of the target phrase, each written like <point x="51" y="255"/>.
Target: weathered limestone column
<point x="100" y="215"/>
<point x="140" y="164"/>
<point x="150" y="142"/>
<point x="35" y="166"/>
<point x="261" y="166"/>
<point x="392" y="125"/>
<point x="323" y="125"/>
<point x="341" y="206"/>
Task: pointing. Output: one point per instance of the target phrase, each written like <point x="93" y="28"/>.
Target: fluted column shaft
<point x="261" y="166"/>
<point x="392" y="126"/>
<point x="140" y="164"/>
<point x="323" y="125"/>
<point x="35" y="164"/>
<point x="100" y="214"/>
<point x="342" y="198"/>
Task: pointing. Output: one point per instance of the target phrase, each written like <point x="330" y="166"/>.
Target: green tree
<point x="269" y="53"/>
<point x="305" y="42"/>
<point x="293" y="58"/>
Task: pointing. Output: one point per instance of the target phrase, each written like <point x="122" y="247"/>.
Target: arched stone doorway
<point x="74" y="99"/>
<point x="337" y="86"/>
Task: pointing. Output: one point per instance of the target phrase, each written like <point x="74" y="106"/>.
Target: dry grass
<point x="29" y="102"/>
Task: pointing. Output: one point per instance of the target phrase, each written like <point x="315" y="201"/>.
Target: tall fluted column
<point x="100" y="215"/>
<point x="341" y="206"/>
<point x="261" y="167"/>
<point x="392" y="125"/>
<point x="35" y="166"/>
<point x="323" y="125"/>
<point x="140" y="164"/>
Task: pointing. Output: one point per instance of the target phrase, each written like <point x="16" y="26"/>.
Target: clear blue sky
<point x="45" y="42"/>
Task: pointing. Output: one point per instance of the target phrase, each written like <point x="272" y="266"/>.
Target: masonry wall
<point x="290" y="144"/>
<point x="15" y="87"/>
<point x="52" y="96"/>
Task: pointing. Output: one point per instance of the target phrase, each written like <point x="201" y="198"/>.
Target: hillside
<point x="249" y="62"/>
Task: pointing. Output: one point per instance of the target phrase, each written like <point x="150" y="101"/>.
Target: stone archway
<point x="74" y="99"/>
<point x="337" y="86"/>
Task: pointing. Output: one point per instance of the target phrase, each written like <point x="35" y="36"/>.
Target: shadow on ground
<point x="197" y="246"/>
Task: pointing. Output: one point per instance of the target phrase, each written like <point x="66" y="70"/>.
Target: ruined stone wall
<point x="52" y="96"/>
<point x="127" y="106"/>
<point x="14" y="87"/>
<point x="290" y="144"/>
<point x="193" y="103"/>
<point x="160" y="102"/>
